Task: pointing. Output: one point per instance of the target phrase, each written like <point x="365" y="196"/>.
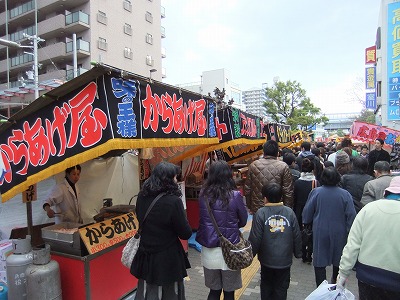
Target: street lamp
<point x="35" y="40"/>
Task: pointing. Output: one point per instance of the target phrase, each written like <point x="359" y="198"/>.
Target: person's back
<point x="290" y="160"/>
<point x="265" y="170"/>
<point x="373" y="247"/>
<point x="374" y="189"/>
<point x="275" y="237"/>
<point x="355" y="180"/>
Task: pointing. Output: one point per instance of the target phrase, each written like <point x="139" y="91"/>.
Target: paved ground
<point x="302" y="281"/>
<point x="13" y="214"/>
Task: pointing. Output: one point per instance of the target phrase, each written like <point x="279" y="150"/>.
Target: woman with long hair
<point x="160" y="263"/>
<point x="331" y="211"/>
<point x="230" y="213"/>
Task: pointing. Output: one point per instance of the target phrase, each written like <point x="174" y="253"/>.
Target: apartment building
<point x="254" y="99"/>
<point x="126" y="34"/>
<point x="220" y="78"/>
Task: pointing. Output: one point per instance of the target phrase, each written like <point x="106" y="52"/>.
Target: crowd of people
<point x="347" y="196"/>
<point x="354" y="215"/>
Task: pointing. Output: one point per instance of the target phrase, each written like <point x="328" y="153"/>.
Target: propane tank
<point x="16" y="265"/>
<point x="3" y="291"/>
<point x="43" y="276"/>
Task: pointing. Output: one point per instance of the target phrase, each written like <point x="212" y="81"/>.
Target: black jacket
<point x="161" y="258"/>
<point x="375" y="156"/>
<point x="354" y="183"/>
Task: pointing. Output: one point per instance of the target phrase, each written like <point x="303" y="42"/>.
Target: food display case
<point x="64" y="238"/>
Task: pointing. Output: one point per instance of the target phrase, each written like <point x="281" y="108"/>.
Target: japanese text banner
<point x="101" y="115"/>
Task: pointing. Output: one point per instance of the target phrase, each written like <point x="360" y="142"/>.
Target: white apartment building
<point x="125" y="34"/>
<point x="254" y="99"/>
<point x="219" y="78"/>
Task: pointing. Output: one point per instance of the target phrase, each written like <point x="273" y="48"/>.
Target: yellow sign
<point x="102" y="235"/>
<point x="30" y="194"/>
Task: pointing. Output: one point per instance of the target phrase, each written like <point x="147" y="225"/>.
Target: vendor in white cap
<point x="64" y="198"/>
<point x="373" y="246"/>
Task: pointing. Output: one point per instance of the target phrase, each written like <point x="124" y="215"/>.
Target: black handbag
<point x="307" y="235"/>
<point x="236" y="256"/>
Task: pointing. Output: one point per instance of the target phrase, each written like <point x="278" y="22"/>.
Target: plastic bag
<point x="327" y="291"/>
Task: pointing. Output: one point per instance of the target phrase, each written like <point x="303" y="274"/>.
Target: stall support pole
<point x="29" y="217"/>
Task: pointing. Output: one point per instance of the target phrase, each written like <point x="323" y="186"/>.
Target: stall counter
<point x="96" y="276"/>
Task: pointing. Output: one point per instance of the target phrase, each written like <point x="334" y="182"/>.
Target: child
<point x="275" y="236"/>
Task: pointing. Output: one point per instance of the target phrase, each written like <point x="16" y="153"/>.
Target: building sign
<point x="370" y="78"/>
<point x="370" y="55"/>
<point x="103" y="235"/>
<point x="393" y="61"/>
<point x="370" y="100"/>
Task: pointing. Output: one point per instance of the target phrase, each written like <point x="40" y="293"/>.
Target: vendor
<point x="64" y="198"/>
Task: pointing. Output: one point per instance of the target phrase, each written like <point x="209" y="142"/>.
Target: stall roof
<point x="101" y="110"/>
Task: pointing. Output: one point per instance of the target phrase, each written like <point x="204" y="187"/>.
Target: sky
<point x="320" y="44"/>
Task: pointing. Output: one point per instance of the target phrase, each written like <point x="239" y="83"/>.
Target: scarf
<point x="309" y="176"/>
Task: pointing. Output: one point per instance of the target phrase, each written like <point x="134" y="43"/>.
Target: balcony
<point x="82" y="48"/>
<point x="163" y="53"/>
<point x="163" y="32"/>
<point x="76" y="22"/>
<point x="70" y="73"/>
<point x="162" y="12"/>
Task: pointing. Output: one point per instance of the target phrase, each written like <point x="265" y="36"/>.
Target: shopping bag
<point x="326" y="291"/>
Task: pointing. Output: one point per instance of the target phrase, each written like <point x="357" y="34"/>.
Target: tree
<point x="367" y="116"/>
<point x="288" y="103"/>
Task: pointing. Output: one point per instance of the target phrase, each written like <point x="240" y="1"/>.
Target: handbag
<point x="236" y="256"/>
<point x="130" y="249"/>
<point x="306" y="233"/>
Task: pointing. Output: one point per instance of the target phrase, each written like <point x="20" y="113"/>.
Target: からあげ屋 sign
<point x="103" y="235"/>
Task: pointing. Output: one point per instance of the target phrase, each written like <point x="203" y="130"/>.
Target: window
<point x="127" y="5"/>
<point x="102" y="44"/>
<point x="149" y="39"/>
<point x="149" y="60"/>
<point x="102" y="17"/>
<point x="149" y="17"/>
<point x="128" y="29"/>
<point x="128" y="53"/>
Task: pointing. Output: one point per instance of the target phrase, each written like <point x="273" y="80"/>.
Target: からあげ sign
<point x="103" y="235"/>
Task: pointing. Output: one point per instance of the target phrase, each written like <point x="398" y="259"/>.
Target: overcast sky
<point x="318" y="43"/>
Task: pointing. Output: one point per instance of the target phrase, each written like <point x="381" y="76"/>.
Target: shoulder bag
<point x="306" y="233"/>
<point x="236" y="256"/>
<point x="130" y="249"/>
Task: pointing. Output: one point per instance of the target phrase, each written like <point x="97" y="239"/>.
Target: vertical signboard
<point x="393" y="60"/>
<point x="370" y="55"/>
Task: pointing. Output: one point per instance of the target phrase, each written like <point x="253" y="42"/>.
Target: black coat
<point x="375" y="156"/>
<point x="354" y="184"/>
<point x="161" y="258"/>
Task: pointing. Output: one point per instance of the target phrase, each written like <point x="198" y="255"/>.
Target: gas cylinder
<point x="3" y="291"/>
<point x="43" y="276"/>
<point x="16" y="264"/>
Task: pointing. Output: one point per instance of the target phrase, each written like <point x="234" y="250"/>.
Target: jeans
<point x="274" y="283"/>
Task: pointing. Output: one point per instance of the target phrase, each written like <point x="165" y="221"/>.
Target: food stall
<point x="103" y="111"/>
